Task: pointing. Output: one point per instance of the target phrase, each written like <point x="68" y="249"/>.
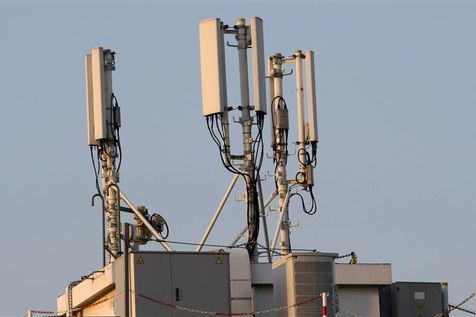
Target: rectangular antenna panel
<point x="257" y="51"/>
<point x="311" y="96"/>
<point x="102" y="95"/>
<point x="89" y="101"/>
<point x="212" y="62"/>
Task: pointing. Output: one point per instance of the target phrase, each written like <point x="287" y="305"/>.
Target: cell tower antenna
<point x="216" y="108"/>
<point x="104" y="121"/>
<point x="307" y="138"/>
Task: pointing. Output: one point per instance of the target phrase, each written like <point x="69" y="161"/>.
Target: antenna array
<point x="307" y="138"/>
<point x="215" y="105"/>
<point x="104" y="121"/>
<point x="216" y="108"/>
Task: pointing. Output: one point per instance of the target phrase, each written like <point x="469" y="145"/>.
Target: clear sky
<point x="396" y="176"/>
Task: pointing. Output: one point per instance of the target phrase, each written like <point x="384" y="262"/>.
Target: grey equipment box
<point x="300" y="276"/>
<point x="411" y="299"/>
<point x="191" y="280"/>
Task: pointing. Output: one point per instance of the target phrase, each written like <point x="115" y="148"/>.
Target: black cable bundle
<point x="216" y="128"/>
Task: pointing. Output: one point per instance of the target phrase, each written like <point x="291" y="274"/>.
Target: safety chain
<point x="463" y="309"/>
<point x="191" y="310"/>
<point x="446" y="313"/>
<point x="352" y="255"/>
<point x="42" y="312"/>
<point x="204" y="312"/>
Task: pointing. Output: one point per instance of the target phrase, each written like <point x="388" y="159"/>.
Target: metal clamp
<point x="287" y="74"/>
<point x="231" y="45"/>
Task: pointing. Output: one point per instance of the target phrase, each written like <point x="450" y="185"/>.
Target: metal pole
<point x="298" y="57"/>
<point x="266" y="204"/>
<point x="146" y="222"/>
<point x="103" y="219"/>
<point x="238" y="237"/>
<point x="246" y="123"/>
<point x="271" y="94"/>
<point x="444" y="293"/>
<point x="324" y="304"/>
<point x="127" y="246"/>
<point x="217" y="213"/>
<point x="280" y="220"/>
<point x="109" y="177"/>
<point x="281" y="158"/>
<point x="263" y="217"/>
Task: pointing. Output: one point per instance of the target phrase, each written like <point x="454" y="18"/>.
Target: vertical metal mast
<point x="246" y="123"/>
<point x="298" y="57"/>
<point x="103" y="126"/>
<point x="215" y="109"/>
<point x="109" y="153"/>
<point x="280" y="131"/>
<point x="109" y="178"/>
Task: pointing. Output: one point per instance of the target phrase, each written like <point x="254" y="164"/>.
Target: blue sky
<point x="395" y="86"/>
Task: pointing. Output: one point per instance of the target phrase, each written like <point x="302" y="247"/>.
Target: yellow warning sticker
<point x="140" y="260"/>
<point x="219" y="261"/>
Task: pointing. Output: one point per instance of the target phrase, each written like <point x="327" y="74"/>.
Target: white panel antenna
<point x="100" y="82"/>
<point x="212" y="61"/>
<point x="311" y="96"/>
<point x="89" y="101"/>
<point x="257" y="51"/>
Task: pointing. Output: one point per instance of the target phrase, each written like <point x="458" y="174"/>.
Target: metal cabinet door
<point x="150" y="277"/>
<point x="200" y="281"/>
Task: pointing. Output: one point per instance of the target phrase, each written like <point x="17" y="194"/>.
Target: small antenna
<point x="257" y="52"/>
<point x="90" y="101"/>
<point x="311" y="96"/>
<point x="272" y="95"/>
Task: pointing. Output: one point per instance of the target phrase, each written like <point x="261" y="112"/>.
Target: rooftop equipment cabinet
<point x="192" y="280"/>
<point x="413" y="299"/>
<point x="301" y="276"/>
<point x="156" y="281"/>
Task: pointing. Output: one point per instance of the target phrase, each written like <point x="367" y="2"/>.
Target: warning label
<point x="140" y="260"/>
<point x="219" y="261"/>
